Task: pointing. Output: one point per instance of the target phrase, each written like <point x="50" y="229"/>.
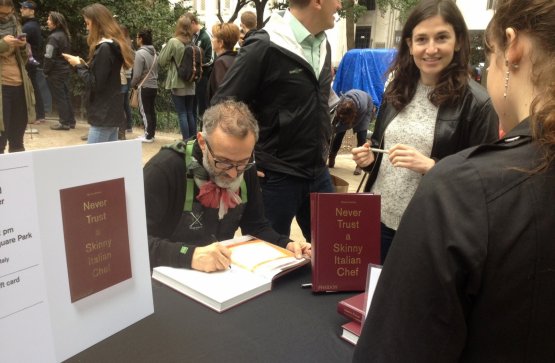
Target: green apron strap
<point x="189" y="181"/>
<point x="244" y="198"/>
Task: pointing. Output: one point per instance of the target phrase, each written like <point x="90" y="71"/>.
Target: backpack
<point x="190" y="68"/>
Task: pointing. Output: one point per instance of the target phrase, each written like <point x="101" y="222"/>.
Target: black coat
<point x="289" y="102"/>
<point x="104" y="100"/>
<point x="54" y="63"/>
<point x="470" y="276"/>
<point x="471" y="122"/>
<point x="31" y="27"/>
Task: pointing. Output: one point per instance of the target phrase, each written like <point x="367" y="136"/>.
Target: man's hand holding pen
<point x="214" y="257"/>
<point x="300" y="249"/>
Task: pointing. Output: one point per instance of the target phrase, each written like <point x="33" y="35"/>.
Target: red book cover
<point x="351" y="332"/>
<point x="94" y="217"/>
<point x="345" y="239"/>
<point x="353" y="307"/>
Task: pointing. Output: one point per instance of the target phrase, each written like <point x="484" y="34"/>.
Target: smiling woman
<point x="431" y="109"/>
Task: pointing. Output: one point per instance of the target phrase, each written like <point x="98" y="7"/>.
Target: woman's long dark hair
<point x="59" y="22"/>
<point x="452" y="80"/>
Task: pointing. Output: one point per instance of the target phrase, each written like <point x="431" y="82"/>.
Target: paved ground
<point x="46" y="138"/>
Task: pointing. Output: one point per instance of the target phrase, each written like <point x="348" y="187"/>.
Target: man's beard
<point x="220" y="178"/>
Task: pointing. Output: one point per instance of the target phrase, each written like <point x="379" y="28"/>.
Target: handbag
<point x="134" y="97"/>
<point x="134" y="93"/>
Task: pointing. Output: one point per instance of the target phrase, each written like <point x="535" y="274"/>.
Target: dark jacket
<point x="363" y="105"/>
<point x="103" y="98"/>
<point x="203" y="40"/>
<point x="31" y="27"/>
<point x="54" y="63"/>
<point x="165" y="192"/>
<point x="221" y="66"/>
<point x="470" y="276"/>
<point x="471" y="122"/>
<point x="288" y="100"/>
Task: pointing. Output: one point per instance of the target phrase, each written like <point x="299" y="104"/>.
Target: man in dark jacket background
<point x="202" y="39"/>
<point x="283" y="73"/>
<point x="31" y="27"/>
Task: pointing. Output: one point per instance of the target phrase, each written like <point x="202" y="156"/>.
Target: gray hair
<point x="233" y="117"/>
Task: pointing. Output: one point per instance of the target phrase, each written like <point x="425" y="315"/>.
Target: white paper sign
<point x="35" y="301"/>
<point x="24" y="313"/>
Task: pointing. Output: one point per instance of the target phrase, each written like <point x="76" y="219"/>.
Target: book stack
<point x="353" y="309"/>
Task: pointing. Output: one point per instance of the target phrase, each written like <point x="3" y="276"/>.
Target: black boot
<point x="331" y="162"/>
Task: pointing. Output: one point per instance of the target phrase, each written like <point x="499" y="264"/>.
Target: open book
<point x="254" y="264"/>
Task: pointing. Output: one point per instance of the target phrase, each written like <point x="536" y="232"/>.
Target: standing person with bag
<point x="17" y="99"/>
<point x="430" y="109"/>
<point x="108" y="52"/>
<point x="183" y="92"/>
<point x="145" y="79"/>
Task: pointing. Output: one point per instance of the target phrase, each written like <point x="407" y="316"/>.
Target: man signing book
<point x="198" y="192"/>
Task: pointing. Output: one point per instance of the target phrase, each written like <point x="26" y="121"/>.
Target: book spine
<point x="349" y="312"/>
<point x="314" y="237"/>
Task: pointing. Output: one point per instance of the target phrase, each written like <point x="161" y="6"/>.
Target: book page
<point x="259" y="255"/>
<point x="374" y="272"/>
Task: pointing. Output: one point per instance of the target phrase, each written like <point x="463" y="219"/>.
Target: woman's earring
<point x="507" y="75"/>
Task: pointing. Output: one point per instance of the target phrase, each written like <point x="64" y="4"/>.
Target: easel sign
<point x="83" y="202"/>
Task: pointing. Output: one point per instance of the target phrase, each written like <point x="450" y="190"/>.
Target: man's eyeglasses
<point x="224" y="165"/>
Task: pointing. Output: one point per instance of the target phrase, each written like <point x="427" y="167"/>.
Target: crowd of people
<point x="466" y="223"/>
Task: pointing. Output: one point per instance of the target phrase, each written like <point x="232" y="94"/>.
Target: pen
<point x="379" y="150"/>
<point x="215" y="239"/>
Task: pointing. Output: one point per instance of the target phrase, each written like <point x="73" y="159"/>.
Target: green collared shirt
<point x="310" y="43"/>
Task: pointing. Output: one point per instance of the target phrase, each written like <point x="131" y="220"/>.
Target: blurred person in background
<point x="58" y="71"/>
<point x="109" y="51"/>
<point x="17" y="102"/>
<point x="145" y="73"/>
<point x="224" y="38"/>
<point x="183" y="93"/>
<point x="31" y="27"/>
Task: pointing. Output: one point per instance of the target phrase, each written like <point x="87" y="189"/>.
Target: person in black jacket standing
<point x="224" y="38"/>
<point x="31" y="27"/>
<point x="109" y="50"/>
<point x="202" y="39"/>
<point x="58" y="71"/>
<point x="283" y="72"/>
<point x="471" y="273"/>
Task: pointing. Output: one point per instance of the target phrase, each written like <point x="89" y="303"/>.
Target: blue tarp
<point x="364" y="69"/>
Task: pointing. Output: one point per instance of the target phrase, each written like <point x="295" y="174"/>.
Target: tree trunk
<point x="350" y="32"/>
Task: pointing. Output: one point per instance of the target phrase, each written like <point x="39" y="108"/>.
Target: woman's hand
<point x="362" y="155"/>
<point x="405" y="156"/>
<point x="73" y="60"/>
<point x="14" y="42"/>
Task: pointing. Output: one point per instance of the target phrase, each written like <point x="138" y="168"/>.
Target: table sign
<point x="36" y="301"/>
